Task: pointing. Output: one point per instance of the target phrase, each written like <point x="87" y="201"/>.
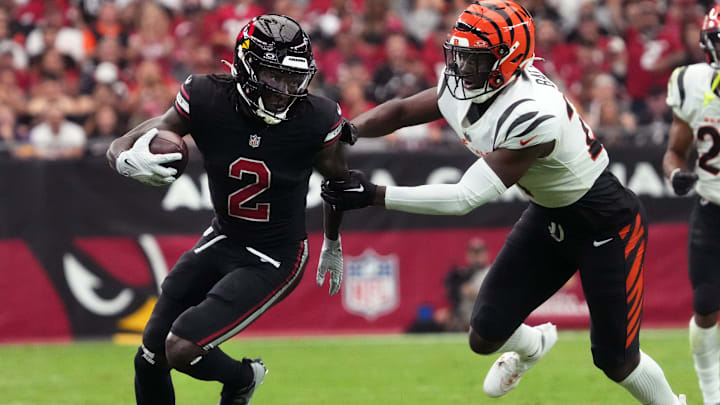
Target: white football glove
<point x="331" y="260"/>
<point x="144" y="166"/>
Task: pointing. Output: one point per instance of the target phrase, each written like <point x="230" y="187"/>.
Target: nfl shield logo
<point x="370" y="287"/>
<point x="254" y="141"/>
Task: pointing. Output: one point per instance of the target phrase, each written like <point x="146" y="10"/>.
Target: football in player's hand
<point x="170" y="142"/>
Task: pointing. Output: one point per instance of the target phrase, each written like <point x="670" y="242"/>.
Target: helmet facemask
<point x="272" y="88"/>
<point x="475" y="69"/>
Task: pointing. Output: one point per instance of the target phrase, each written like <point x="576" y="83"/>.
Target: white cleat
<point x="506" y="372"/>
<point x="682" y="400"/>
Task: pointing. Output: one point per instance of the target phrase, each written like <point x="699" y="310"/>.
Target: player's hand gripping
<point x="144" y="166"/>
<point x="331" y="261"/>
<point x="356" y="191"/>
<point x="683" y="180"/>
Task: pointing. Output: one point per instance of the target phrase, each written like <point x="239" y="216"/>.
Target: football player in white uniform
<point x="525" y="132"/>
<point x="693" y="96"/>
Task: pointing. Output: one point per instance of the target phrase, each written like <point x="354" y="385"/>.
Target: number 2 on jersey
<point x="704" y="158"/>
<point x="237" y="201"/>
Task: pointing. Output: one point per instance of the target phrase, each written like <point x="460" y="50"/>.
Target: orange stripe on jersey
<point x="635" y="297"/>
<point x="637" y="234"/>
<point x="632" y="332"/>
<point x="635" y="270"/>
<point x="638" y="231"/>
<point x="634" y="317"/>
<point x="635" y="289"/>
<point x="624" y="232"/>
<point x="636" y="308"/>
<point x="634" y="324"/>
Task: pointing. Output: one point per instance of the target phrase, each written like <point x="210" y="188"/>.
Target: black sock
<point x="218" y="366"/>
<point x="153" y="385"/>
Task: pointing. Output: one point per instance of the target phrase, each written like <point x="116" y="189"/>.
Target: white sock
<point x="648" y="385"/>
<point x="706" y="351"/>
<point x="525" y="341"/>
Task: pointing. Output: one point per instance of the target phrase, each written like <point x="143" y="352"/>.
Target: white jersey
<point x="692" y="100"/>
<point x="528" y="112"/>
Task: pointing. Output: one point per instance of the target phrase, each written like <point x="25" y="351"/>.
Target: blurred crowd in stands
<point x="74" y="74"/>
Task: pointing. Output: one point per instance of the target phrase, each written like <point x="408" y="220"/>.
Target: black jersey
<point x="258" y="173"/>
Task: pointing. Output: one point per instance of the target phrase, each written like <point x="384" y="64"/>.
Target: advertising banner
<point x="83" y="250"/>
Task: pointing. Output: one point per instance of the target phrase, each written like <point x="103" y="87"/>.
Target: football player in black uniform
<point x="260" y="134"/>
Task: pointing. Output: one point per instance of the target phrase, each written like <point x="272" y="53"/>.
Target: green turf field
<point x="430" y="369"/>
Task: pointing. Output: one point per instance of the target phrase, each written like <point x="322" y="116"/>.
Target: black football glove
<point x="683" y="181"/>
<point x="356" y="191"/>
<point x="349" y="132"/>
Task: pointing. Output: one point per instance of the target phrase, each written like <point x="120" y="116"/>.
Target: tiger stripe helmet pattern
<point x="491" y="42"/>
<point x="710" y="36"/>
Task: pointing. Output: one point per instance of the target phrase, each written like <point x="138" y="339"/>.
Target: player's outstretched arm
<point x="331" y="164"/>
<point x="398" y="113"/>
<point x="483" y="182"/>
<point x="676" y="157"/>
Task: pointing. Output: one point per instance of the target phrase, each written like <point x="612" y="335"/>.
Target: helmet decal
<point x="296" y="62"/>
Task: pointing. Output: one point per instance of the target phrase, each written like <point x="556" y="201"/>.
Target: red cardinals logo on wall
<point x="98" y="286"/>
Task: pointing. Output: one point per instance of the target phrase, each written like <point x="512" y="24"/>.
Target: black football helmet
<point x="273" y="65"/>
